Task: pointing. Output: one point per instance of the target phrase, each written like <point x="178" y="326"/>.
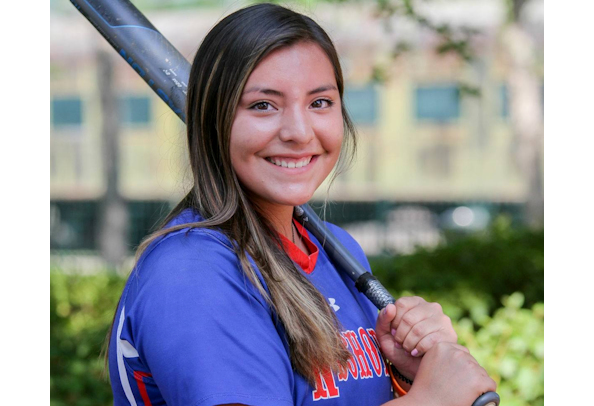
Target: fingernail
<point x="393" y="332"/>
<point x="385" y="310"/>
<point x="397" y="345"/>
<point x="414" y="352"/>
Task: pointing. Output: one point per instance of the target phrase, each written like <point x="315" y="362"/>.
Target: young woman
<point x="232" y="301"/>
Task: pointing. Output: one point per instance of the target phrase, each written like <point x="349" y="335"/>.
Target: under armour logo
<point x="332" y="305"/>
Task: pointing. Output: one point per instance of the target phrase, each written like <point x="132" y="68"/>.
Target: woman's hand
<point x="449" y="376"/>
<point x="407" y="329"/>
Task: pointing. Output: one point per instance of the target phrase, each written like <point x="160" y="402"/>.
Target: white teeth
<point x="302" y="163"/>
<point x="291" y="165"/>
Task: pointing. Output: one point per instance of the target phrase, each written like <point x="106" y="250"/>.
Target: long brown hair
<point x="221" y="67"/>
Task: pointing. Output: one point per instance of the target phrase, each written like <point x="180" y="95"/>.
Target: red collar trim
<point x="305" y="262"/>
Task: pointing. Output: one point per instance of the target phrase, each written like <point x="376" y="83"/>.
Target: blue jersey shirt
<point x="192" y="330"/>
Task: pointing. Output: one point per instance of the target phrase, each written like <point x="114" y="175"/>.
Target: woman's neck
<point x="281" y="219"/>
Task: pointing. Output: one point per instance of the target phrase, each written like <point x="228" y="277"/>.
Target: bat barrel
<point x="148" y="52"/>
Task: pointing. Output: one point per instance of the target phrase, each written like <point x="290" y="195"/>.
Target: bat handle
<point x="487" y="399"/>
<point x="374" y="290"/>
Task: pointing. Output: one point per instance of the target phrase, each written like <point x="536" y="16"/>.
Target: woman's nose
<point x="296" y="127"/>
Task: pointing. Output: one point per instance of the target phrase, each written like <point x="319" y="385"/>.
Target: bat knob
<point x="487" y="399"/>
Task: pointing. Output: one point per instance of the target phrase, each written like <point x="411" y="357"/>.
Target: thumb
<point x="384" y="320"/>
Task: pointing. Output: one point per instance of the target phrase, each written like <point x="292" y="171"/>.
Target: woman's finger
<point x="427" y="333"/>
<point x="411" y="320"/>
<point x="427" y="342"/>
<point x="383" y="325"/>
<point x="404" y="305"/>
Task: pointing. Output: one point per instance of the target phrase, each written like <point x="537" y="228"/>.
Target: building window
<point x="145" y="217"/>
<point x="439" y="103"/>
<point x="66" y="111"/>
<point x="361" y="103"/>
<point x="135" y="110"/>
<point x="74" y="224"/>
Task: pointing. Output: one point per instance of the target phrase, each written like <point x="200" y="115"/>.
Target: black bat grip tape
<point x="374" y="290"/>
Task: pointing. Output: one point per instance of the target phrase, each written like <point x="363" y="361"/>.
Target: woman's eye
<point x="262" y="106"/>
<point x="322" y="103"/>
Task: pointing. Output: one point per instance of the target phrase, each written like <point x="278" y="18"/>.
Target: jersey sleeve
<point x="203" y="330"/>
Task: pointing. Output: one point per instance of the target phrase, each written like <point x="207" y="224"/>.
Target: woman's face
<point x="288" y="129"/>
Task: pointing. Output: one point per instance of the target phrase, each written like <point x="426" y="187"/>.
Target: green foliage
<point x="510" y="346"/>
<point x="468" y="275"/>
<point x="81" y="311"/>
<point x="495" y="263"/>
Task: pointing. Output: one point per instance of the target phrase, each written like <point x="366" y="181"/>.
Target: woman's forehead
<point x="299" y="64"/>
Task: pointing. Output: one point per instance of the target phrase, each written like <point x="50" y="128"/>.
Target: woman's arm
<point x="447" y="376"/>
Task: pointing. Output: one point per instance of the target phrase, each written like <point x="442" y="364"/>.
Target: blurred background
<point x="445" y="197"/>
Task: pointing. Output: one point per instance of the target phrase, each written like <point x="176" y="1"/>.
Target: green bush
<point x="81" y="311"/>
<point x="497" y="262"/>
<point x="510" y="346"/>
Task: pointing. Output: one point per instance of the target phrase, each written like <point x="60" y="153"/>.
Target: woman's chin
<point x="299" y="200"/>
<point x="282" y="203"/>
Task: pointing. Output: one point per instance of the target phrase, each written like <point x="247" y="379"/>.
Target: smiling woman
<point x="232" y="301"/>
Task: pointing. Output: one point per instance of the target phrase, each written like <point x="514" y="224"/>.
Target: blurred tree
<point x="113" y="223"/>
<point x="525" y="108"/>
<point x="524" y="86"/>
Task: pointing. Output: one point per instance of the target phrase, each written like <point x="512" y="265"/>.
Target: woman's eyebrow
<point x="278" y="93"/>
<point x="265" y="91"/>
<point x="322" y="89"/>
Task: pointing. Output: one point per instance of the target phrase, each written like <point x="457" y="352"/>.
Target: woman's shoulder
<point x="186" y="265"/>
<point x="344" y="237"/>
<point x="187" y="235"/>
<point x="189" y="244"/>
<point x="349" y="243"/>
<point x="340" y="233"/>
<point x="187" y="248"/>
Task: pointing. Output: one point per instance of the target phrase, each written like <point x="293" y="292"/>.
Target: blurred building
<point x="426" y="147"/>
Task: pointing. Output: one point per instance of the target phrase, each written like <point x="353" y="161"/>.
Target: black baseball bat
<point x="166" y="71"/>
